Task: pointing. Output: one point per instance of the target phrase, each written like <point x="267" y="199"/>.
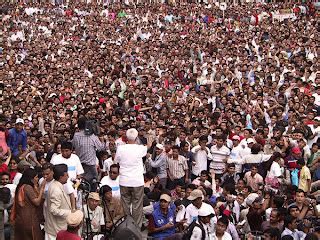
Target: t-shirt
<point x="275" y="170"/>
<point x="74" y="168"/>
<point x="74" y="165"/>
<point x="192" y="212"/>
<point x="106" y="164"/>
<point x="304" y="176"/>
<point x="129" y="157"/>
<point x="65" y="235"/>
<point x="114" y="184"/>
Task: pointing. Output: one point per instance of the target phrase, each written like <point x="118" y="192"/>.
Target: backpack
<point x="188" y="232"/>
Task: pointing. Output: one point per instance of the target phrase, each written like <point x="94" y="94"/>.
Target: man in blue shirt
<point x="17" y="140"/>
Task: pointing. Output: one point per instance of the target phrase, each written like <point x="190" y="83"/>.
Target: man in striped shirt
<point x="220" y="154"/>
<point x="177" y="169"/>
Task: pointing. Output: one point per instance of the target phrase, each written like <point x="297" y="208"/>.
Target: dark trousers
<point x="91" y="175"/>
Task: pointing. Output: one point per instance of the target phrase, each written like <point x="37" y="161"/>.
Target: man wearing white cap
<point x="201" y="229"/>
<point x="192" y="211"/>
<point x="17" y="137"/>
<point x="159" y="161"/>
<point x="129" y="157"/>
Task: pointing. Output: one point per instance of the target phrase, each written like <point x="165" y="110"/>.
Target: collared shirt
<point x="160" y="162"/>
<point x="115" y="210"/>
<point x="297" y="235"/>
<point x="96" y="218"/>
<point x="254" y="181"/>
<point x="201" y="158"/>
<point x="176" y="167"/>
<point x="86" y="147"/>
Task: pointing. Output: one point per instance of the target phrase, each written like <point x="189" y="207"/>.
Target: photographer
<point x="86" y="147"/>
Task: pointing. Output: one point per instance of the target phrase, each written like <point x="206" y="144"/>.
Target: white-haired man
<point x="129" y="157"/>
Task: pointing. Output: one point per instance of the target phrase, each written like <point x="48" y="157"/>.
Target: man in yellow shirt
<point x="305" y="177"/>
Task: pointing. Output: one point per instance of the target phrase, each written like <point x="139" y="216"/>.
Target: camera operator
<point x="86" y="146"/>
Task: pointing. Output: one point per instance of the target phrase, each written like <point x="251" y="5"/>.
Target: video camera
<point x="92" y="127"/>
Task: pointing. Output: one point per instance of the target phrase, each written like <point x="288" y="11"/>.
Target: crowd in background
<point x="197" y="122"/>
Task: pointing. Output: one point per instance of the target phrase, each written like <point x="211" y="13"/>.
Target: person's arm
<point x="24" y="142"/>
<point x="36" y="200"/>
<point x="153" y="229"/>
<point x="157" y="163"/>
<point x="100" y="146"/>
<point x="55" y="209"/>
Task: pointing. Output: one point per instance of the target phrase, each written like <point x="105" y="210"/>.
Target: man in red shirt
<point x="74" y="221"/>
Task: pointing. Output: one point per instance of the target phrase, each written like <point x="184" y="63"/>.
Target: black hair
<point x="26" y="179"/>
<point x="82" y="123"/>
<point x="224" y="220"/>
<point x="287" y="237"/>
<point x="288" y="219"/>
<point x="115" y="165"/>
<point x="104" y="189"/>
<point x="66" y="145"/>
<point x="47" y="166"/>
<point x="59" y="170"/>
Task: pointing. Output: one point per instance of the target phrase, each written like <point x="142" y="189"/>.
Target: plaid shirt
<point x="176" y="168"/>
<point x="86" y="147"/>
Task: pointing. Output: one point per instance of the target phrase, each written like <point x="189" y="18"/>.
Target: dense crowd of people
<point x="191" y="121"/>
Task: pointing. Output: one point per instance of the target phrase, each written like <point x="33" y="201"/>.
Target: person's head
<point x="205" y="214"/>
<point x="66" y="149"/>
<point x="221" y="226"/>
<point x="294" y="211"/>
<point x="29" y="177"/>
<point x="114" y="171"/>
<point x="300" y="196"/>
<point x="132" y="135"/>
<point x="165" y="200"/>
<point x="290" y="222"/>
<point x="231" y="168"/>
<point x="256" y="148"/>
<point x="254" y="169"/>
<point x="47" y="171"/>
<point x="272" y="234"/>
<point x="196" y="197"/>
<point x="175" y="152"/>
<point x="106" y="192"/>
<point x="60" y="173"/>
<point x="314" y="148"/>
<point x="74" y="220"/>
<point x="274" y="216"/>
<point x="19" y="124"/>
<point x="5" y="178"/>
<point x="82" y="123"/>
<point x="204" y="175"/>
<point x="93" y="200"/>
<point x="159" y="149"/>
<point x="240" y="198"/>
<point x="219" y="141"/>
<point x="13" y="165"/>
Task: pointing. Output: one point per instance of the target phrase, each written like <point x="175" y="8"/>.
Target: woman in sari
<point x="25" y="214"/>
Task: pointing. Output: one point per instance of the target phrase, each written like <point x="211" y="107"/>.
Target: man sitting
<point x="162" y="219"/>
<point x="93" y="214"/>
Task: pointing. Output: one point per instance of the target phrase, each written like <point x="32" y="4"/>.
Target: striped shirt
<point x="86" y="147"/>
<point x="176" y="167"/>
<point x="219" y="158"/>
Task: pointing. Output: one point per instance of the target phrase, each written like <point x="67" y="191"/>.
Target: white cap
<point x="250" y="140"/>
<point x="205" y="210"/>
<point x="159" y="146"/>
<point x="19" y="120"/>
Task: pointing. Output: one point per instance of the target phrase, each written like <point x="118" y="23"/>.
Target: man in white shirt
<point x="202" y="225"/>
<point x="112" y="180"/>
<point x="75" y="169"/>
<point x="201" y="156"/>
<point x="192" y="211"/>
<point x="129" y="157"/>
<point x="93" y="214"/>
<point x="290" y="224"/>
